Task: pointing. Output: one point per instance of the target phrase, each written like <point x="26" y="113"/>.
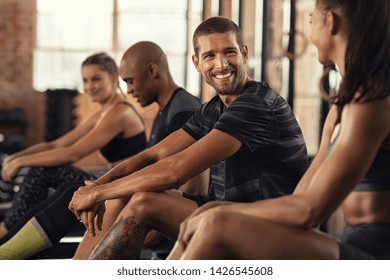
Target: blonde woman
<point x="116" y="130"/>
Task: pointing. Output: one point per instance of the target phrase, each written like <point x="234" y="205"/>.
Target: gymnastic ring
<point x="323" y="92"/>
<point x="294" y="56"/>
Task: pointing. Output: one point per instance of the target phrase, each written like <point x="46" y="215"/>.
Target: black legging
<point x="35" y="187"/>
<point x="52" y="214"/>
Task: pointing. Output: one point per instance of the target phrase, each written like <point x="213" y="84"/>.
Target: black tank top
<point x="120" y="148"/>
<point x="377" y="177"/>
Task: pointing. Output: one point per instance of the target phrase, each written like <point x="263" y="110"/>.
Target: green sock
<point x="30" y="239"/>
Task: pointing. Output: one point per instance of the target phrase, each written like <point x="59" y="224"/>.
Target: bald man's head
<point x="143" y="53"/>
<point x="144" y="68"/>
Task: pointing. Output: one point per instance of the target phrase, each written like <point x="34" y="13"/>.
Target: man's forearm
<point x="116" y="172"/>
<point x="125" y="168"/>
<point x="157" y="177"/>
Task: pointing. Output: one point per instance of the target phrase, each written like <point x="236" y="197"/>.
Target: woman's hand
<point x="7" y="159"/>
<point x="10" y="170"/>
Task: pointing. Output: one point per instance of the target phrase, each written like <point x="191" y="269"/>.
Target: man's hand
<point x="93" y="218"/>
<point x="90" y="183"/>
<point x="86" y="211"/>
<point x="82" y="200"/>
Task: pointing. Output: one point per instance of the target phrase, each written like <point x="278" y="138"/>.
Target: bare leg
<point x="162" y="211"/>
<point x="88" y="243"/>
<point x="177" y="251"/>
<point x="229" y="235"/>
<point x="152" y="238"/>
<point x="3" y="230"/>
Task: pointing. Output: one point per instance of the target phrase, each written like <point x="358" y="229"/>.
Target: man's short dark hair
<point x="216" y="25"/>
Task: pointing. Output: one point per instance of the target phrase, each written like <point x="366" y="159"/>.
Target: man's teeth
<point x="223" y="76"/>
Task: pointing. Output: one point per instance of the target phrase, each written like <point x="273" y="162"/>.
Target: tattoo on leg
<point x="123" y="241"/>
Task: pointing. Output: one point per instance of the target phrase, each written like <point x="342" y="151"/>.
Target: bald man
<point x="144" y="68"/>
<point x="247" y="135"/>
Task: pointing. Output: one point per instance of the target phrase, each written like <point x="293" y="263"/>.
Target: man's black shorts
<point x="199" y="199"/>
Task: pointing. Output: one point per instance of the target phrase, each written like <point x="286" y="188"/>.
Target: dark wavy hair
<point x="367" y="57"/>
<point x="216" y="25"/>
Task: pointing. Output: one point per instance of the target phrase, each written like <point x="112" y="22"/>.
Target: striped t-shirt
<point x="273" y="156"/>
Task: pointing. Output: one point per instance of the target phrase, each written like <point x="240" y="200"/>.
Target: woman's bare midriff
<point x="367" y="208"/>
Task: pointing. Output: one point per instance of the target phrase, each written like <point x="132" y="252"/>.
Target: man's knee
<point x="216" y="222"/>
<point x="142" y="205"/>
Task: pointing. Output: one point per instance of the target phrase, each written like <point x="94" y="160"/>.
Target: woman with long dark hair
<point x="351" y="169"/>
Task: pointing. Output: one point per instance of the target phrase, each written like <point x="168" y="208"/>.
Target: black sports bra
<point x="120" y="148"/>
<point x="377" y="177"/>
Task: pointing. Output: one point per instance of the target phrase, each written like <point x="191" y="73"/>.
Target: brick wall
<point x="17" y="39"/>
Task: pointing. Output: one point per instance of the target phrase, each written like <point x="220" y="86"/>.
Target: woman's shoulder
<point x="378" y="106"/>
<point x="372" y="116"/>
<point x="92" y="118"/>
<point x="119" y="107"/>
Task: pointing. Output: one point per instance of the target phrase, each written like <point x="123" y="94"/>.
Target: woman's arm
<point x="322" y="150"/>
<point x="364" y="127"/>
<point x="15" y="162"/>
<point x="78" y="143"/>
<point x="65" y="140"/>
<point x="43" y="146"/>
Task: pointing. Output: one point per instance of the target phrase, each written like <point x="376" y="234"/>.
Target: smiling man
<point x="247" y="135"/>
